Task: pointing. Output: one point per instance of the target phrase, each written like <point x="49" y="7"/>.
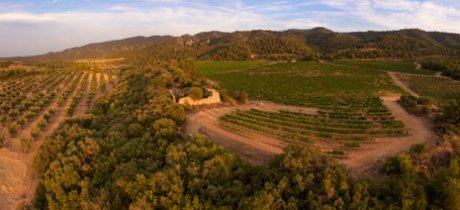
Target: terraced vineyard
<point x="349" y="127"/>
<point x="439" y="89"/>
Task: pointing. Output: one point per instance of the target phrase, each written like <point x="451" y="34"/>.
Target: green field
<point x="215" y="67"/>
<point x="305" y="83"/>
<point x="439" y="89"/>
<point x="404" y="66"/>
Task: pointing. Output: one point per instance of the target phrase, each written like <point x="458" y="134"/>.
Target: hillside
<point x="276" y="45"/>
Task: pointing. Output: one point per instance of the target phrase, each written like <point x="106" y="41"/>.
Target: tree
<point x="165" y="128"/>
<point x="398" y="165"/>
<point x="195" y="93"/>
<point x="450" y="117"/>
<point x="135" y="130"/>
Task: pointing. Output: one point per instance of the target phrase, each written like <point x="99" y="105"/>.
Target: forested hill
<point x="290" y="44"/>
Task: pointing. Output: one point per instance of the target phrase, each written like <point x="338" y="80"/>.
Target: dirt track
<point x="401" y="84"/>
<point x="257" y="149"/>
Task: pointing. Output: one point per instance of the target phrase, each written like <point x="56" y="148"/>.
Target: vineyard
<point x="306" y="83"/>
<point x="395" y="66"/>
<point x="439" y="89"/>
<point x="32" y="100"/>
<point x="348" y="127"/>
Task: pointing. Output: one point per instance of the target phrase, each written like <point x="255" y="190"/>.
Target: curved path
<point x="401" y="84"/>
<point x="257" y="148"/>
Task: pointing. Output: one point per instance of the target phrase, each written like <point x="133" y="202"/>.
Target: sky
<point x="31" y="27"/>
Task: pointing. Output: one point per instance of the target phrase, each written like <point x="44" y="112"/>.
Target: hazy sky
<point x="30" y="27"/>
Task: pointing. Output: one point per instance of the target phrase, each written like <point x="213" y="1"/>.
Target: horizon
<point x="57" y="25"/>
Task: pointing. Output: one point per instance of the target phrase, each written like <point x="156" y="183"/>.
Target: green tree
<point x="165" y="128"/>
<point x="400" y="164"/>
<point x="451" y="116"/>
<point x="195" y="93"/>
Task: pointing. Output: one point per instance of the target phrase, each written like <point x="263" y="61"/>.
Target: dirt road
<point x="402" y="85"/>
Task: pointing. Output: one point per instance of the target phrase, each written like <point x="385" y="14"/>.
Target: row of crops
<point x="439" y="89"/>
<point x="34" y="99"/>
<point x="305" y="83"/>
<point x="347" y="95"/>
<point x="347" y="126"/>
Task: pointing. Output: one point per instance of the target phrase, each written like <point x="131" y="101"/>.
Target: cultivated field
<point x="439" y="89"/>
<point x="355" y="103"/>
<point x="32" y="104"/>
<point x="305" y="83"/>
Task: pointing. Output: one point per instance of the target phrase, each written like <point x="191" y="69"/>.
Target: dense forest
<point x="449" y="66"/>
<point x="126" y="154"/>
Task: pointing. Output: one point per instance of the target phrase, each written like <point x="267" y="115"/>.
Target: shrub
<point x="26" y="145"/>
<point x="42" y="124"/>
<point x="2" y="140"/>
<point x="46" y="117"/>
<point x="21" y="122"/>
<point x="35" y="133"/>
<point x="418" y="148"/>
<point x="13" y="129"/>
<point x="398" y="165"/>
